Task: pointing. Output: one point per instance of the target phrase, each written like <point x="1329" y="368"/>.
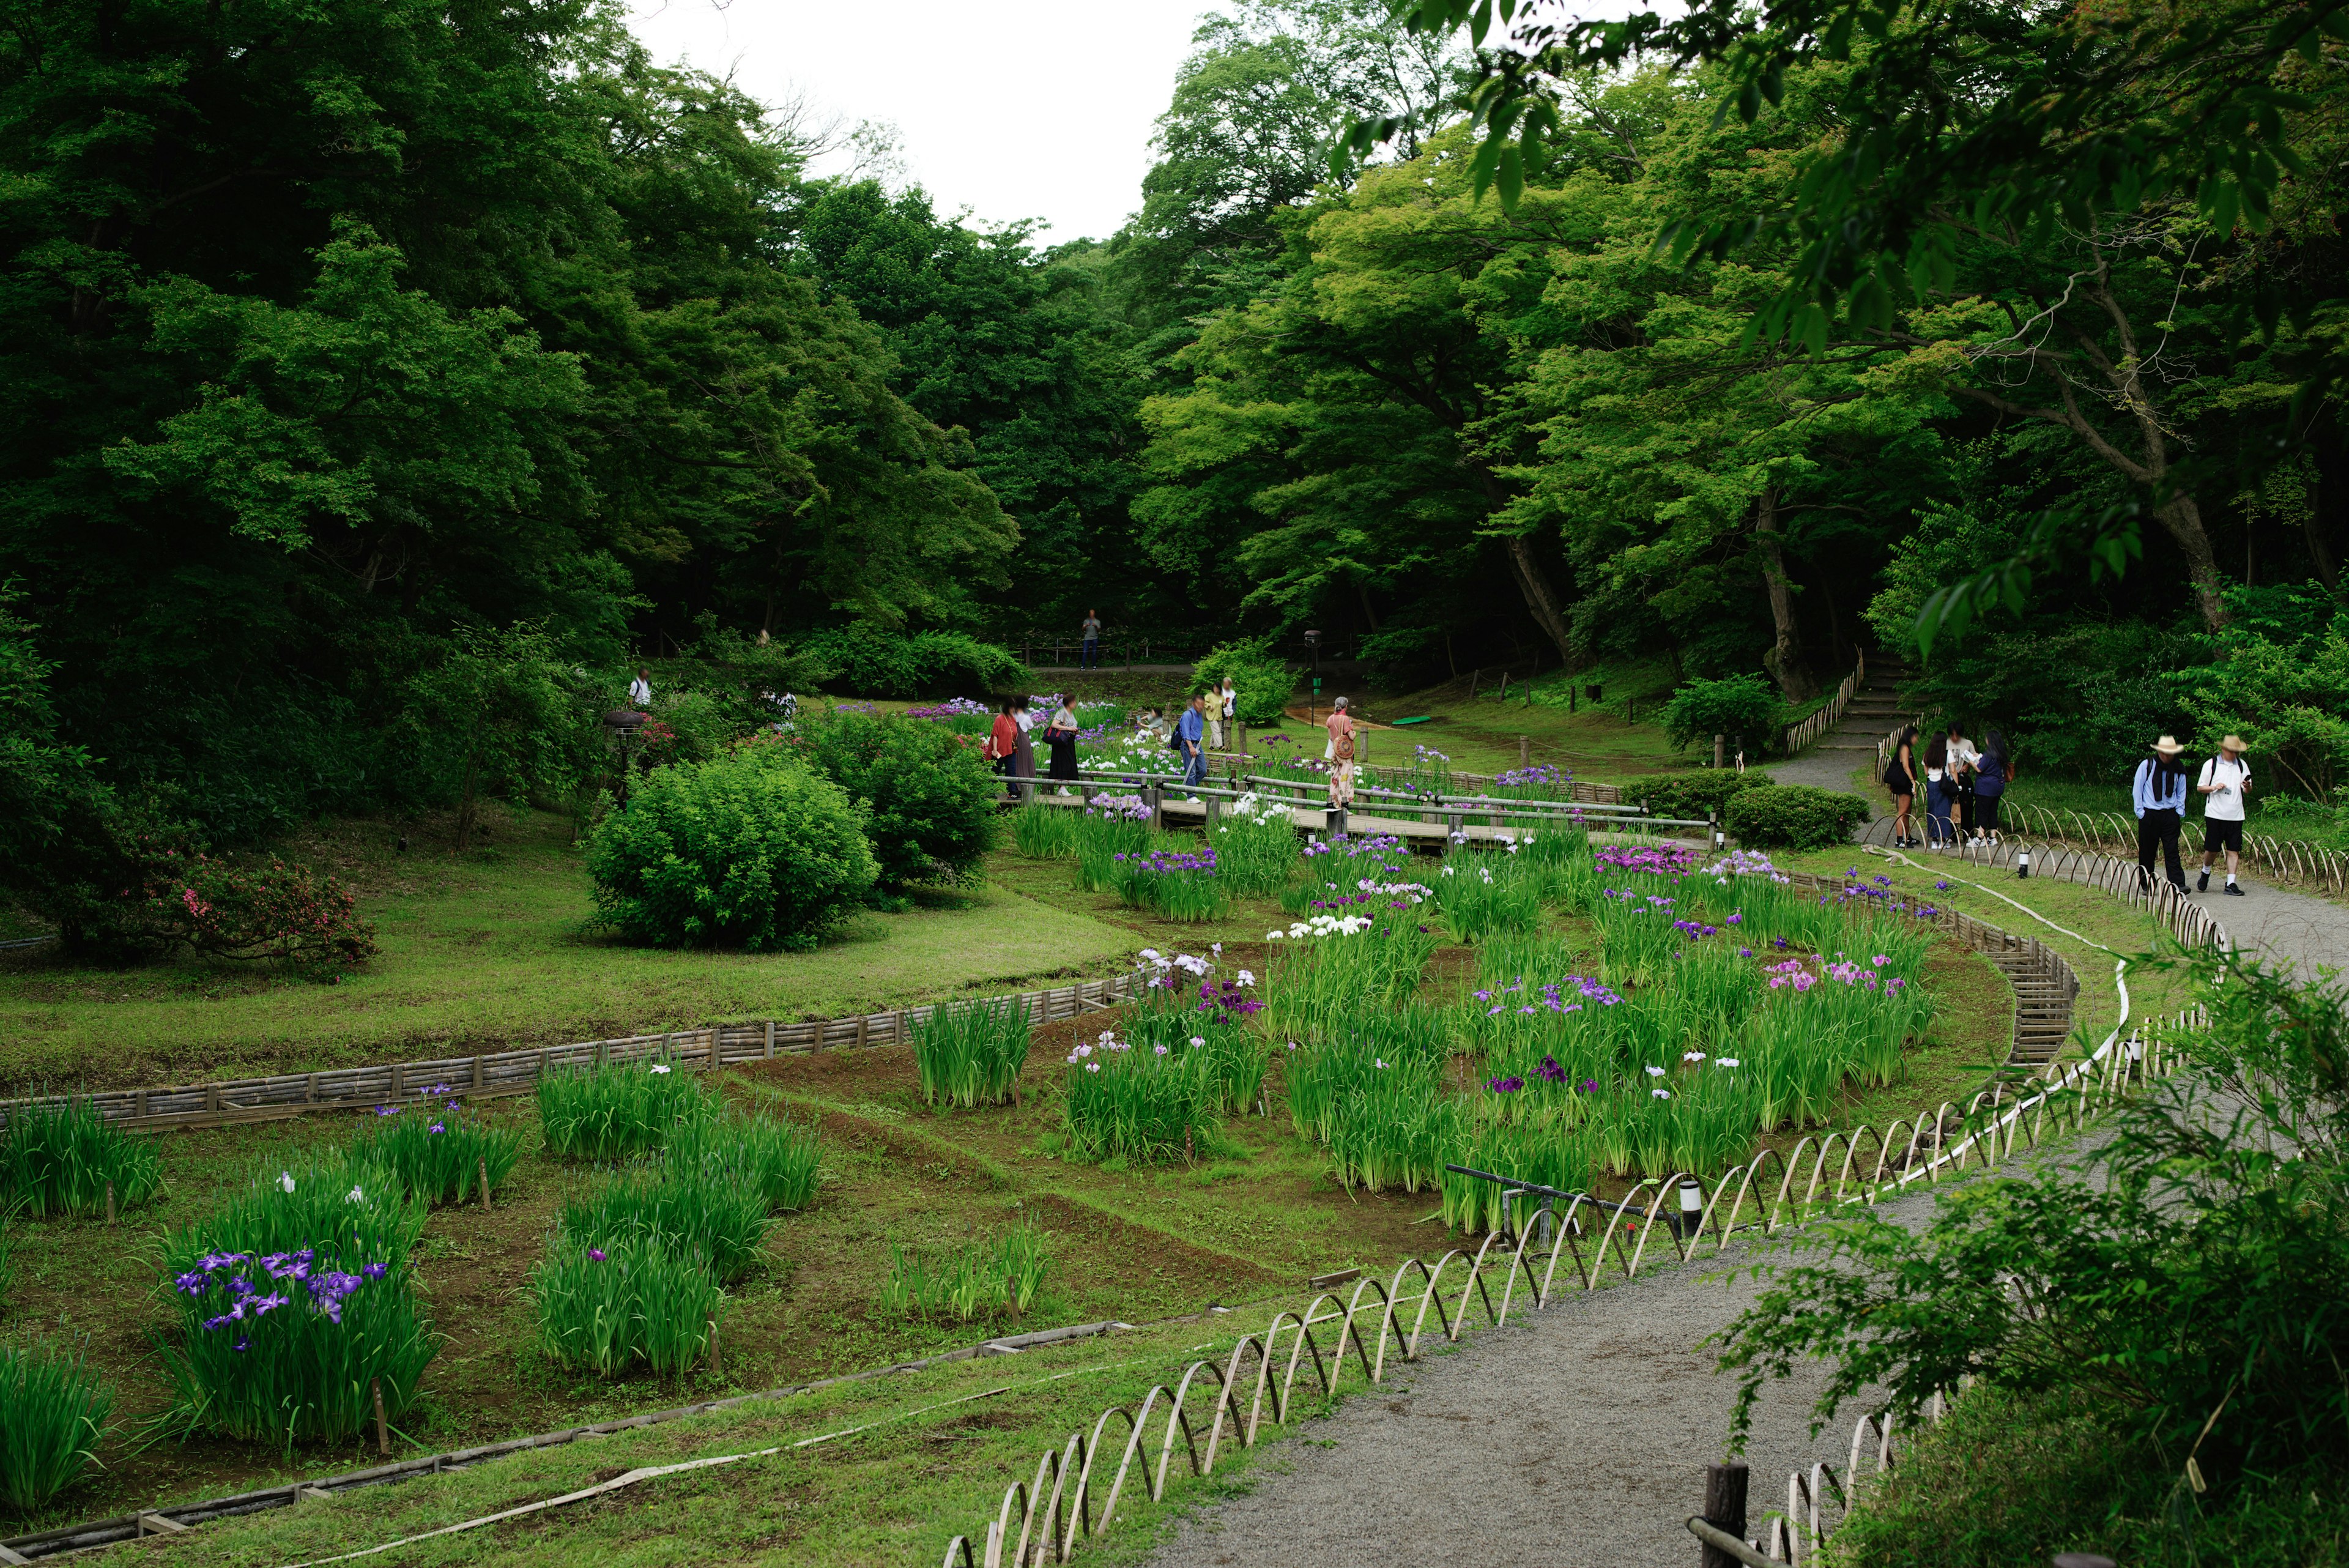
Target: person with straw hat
<point x="2160" y="791"/>
<point x="2226" y="781"/>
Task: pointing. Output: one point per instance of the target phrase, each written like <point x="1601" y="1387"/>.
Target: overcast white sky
<point x="1014" y="108"/>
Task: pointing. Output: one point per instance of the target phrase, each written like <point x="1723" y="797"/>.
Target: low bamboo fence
<point x="1803" y="733"/>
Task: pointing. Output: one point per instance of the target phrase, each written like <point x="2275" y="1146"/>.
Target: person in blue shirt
<point x="1191" y="735"/>
<point x="2160" y="791"/>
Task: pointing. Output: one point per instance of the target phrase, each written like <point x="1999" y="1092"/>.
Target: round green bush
<point x="928" y="798"/>
<point x="751" y="850"/>
<point x="1697" y="794"/>
<point x="1794" y="816"/>
<point x="1260" y="674"/>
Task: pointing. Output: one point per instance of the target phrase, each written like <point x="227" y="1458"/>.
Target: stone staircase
<point x="1875" y="708"/>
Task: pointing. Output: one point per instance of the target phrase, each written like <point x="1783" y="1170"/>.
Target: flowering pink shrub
<point x="274" y="911"/>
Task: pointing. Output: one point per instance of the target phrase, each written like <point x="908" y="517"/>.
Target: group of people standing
<point x="1010" y="744"/>
<point x="1963" y="784"/>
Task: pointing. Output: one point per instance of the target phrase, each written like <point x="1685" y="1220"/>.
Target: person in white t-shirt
<point x="2226" y="780"/>
<point x="640" y="689"/>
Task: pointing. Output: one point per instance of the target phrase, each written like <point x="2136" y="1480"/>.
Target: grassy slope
<point x="488" y="950"/>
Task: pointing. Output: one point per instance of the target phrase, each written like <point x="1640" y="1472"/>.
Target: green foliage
<point x="1734" y="705"/>
<point x="1794" y="816"/>
<point x="602" y="1308"/>
<point x="975" y="1280"/>
<point x="1142" y="1102"/>
<point x="495" y="716"/>
<point x="1695" y="795"/>
<point x="2278" y="680"/>
<point x="969" y="1053"/>
<point x="700" y="1209"/>
<point x="441" y="1149"/>
<point x="870" y="661"/>
<point x="751" y="850"/>
<point x="58" y="1157"/>
<point x="613" y="1109"/>
<point x="928" y="799"/>
<point x="1041" y="832"/>
<point x="776" y="1160"/>
<point x="1485" y="895"/>
<point x="53" y="1414"/>
<point x="2226" y="1206"/>
<point x="1259" y="675"/>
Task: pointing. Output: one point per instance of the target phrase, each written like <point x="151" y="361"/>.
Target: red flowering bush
<point x="276" y="911"/>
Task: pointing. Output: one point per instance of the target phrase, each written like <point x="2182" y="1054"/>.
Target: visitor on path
<point x="1061" y="738"/>
<point x="1939" y="793"/>
<point x="1191" y="738"/>
<point x="1994" y="771"/>
<point x="1340" y="754"/>
<point x="1002" y="745"/>
<point x="1091" y="637"/>
<point x="2226" y="781"/>
<point x="1023" y="755"/>
<point x="1229" y="700"/>
<point x="1963" y="760"/>
<point x="640" y="689"/>
<point x="1901" y="778"/>
<point x="1213" y="706"/>
<point x="2161" y="794"/>
<point x="1153" y="724"/>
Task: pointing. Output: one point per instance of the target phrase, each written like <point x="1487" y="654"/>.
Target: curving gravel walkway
<point x="1579" y="1435"/>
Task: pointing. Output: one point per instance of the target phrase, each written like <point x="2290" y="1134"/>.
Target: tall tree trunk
<point x="1784" y="661"/>
<point x="2327" y="495"/>
<point x="2184" y="520"/>
<point x="1539" y="599"/>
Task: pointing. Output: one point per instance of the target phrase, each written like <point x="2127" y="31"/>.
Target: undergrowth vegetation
<point x="59" y="1157"/>
<point x="969" y="1053"/>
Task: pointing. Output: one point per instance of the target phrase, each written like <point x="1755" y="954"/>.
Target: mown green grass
<point x="490" y="951"/>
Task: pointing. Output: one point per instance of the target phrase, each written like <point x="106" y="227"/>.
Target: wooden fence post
<point x="771" y="1038"/>
<point x="1724" y="1509"/>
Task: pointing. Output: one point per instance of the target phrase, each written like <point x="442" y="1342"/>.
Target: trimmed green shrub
<point x="751" y="850"/>
<point x="58" y="1157"/>
<point x="1795" y="817"/>
<point x="1697" y="794"/>
<point x="872" y="661"/>
<point x="928" y="798"/>
<point x="53" y="1409"/>
<point x="1260" y="676"/>
<point x="1739" y="705"/>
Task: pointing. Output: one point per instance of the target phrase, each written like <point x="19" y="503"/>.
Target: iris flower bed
<point x="970" y="1053"/>
<point x="53" y="1411"/>
<point x="606" y="1307"/>
<point x="975" y="1280"/>
<point x="441" y="1150"/>
<point x="1255" y="846"/>
<point x="59" y="1157"/>
<point x="615" y="1110"/>
<point x="1175" y="884"/>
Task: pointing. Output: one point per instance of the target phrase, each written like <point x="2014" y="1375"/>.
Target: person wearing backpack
<point x="2225" y="783"/>
<point x="1901" y="778"/>
<point x="1939" y="791"/>
<point x="2159" y="793"/>
<point x="1994" y="771"/>
<point x="1191" y="740"/>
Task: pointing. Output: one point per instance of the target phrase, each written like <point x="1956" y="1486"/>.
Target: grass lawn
<point x="489" y="950"/>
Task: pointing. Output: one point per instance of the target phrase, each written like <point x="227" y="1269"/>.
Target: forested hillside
<point x="338" y="332"/>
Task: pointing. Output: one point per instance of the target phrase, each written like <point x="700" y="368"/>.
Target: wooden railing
<point x="1801" y="734"/>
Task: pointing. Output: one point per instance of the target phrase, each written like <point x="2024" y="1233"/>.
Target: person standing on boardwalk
<point x="1191" y="738"/>
<point x="1002" y="745"/>
<point x="1023" y="750"/>
<point x="1901" y="778"/>
<point x="1228" y="698"/>
<point x="2161" y="794"/>
<point x="2225" y="783"/>
<point x="1212" y="705"/>
<point x="1061" y="739"/>
<point x="1089" y="636"/>
<point x="1340" y="754"/>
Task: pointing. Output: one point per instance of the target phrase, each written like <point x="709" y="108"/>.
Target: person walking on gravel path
<point x="1963" y="759"/>
<point x="1901" y="778"/>
<point x="1939" y="791"/>
<point x="2225" y="783"/>
<point x="1090" y="639"/>
<point x="2160" y="796"/>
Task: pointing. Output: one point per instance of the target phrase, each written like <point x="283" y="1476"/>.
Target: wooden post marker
<point x="109" y="1203"/>
<point x="382" y="1427"/>
<point x="484" y="1165"/>
<point x="1525" y="750"/>
<point x="1724" y="1510"/>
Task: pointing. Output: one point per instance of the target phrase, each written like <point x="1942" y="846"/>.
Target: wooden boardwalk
<point x="1417" y="831"/>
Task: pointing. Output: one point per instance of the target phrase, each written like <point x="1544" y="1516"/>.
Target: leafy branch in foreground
<point x="2186" y="1284"/>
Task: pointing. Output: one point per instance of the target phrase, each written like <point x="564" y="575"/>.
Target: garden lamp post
<point x="622" y="724"/>
<point x="1313" y="652"/>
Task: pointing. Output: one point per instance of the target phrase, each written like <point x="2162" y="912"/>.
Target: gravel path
<point x="1579" y="1435"/>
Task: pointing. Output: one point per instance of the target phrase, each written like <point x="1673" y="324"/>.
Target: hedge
<point x="1697" y="795"/>
<point x="1795" y="817"/>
